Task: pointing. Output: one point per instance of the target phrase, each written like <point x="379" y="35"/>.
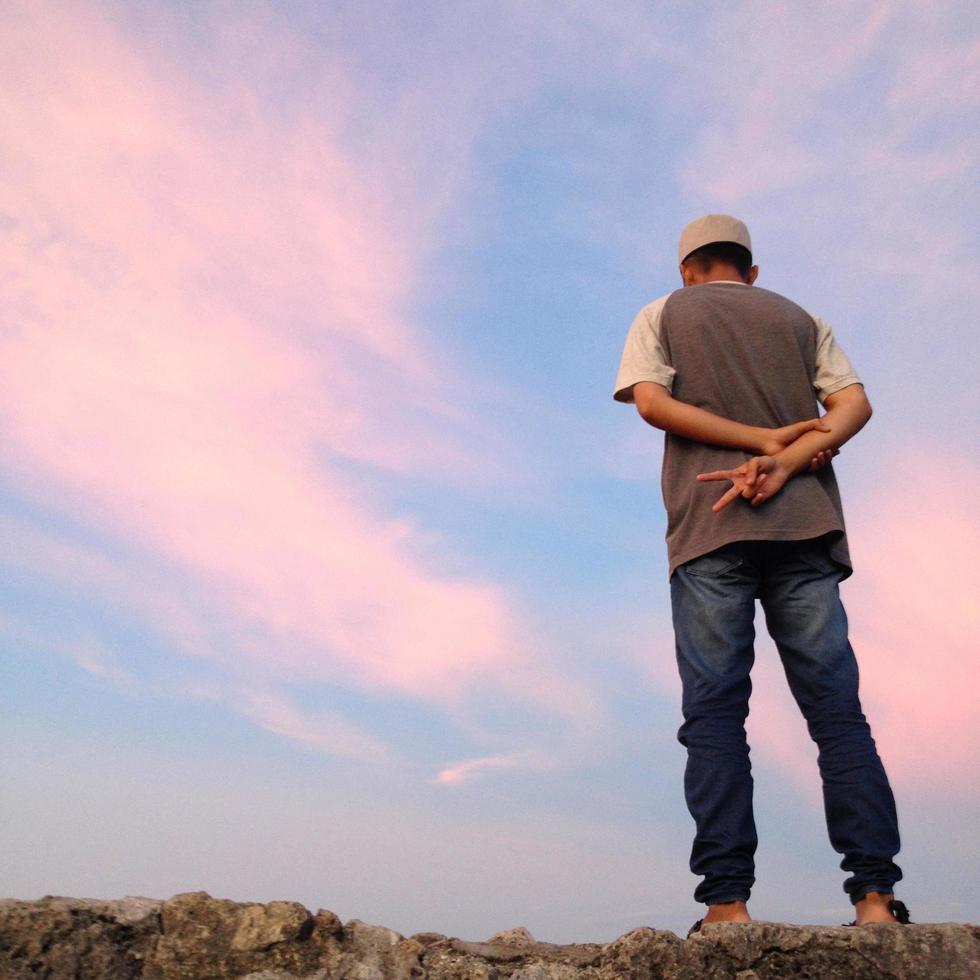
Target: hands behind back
<point x="762" y="477"/>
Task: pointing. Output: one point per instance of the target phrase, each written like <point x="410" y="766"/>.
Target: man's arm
<point x="848" y="411"/>
<point x="660" y="409"/>
<point x="762" y="477"/>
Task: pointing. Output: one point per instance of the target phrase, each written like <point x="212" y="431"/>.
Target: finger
<point x="725" y="499"/>
<point x="751" y="471"/>
<point x="717" y="475"/>
<point x="761" y="493"/>
<point x="751" y="489"/>
<point x="818" y="425"/>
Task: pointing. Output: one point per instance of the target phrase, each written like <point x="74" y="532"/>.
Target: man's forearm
<point x="661" y="410"/>
<point x="701" y="425"/>
<point x="848" y="410"/>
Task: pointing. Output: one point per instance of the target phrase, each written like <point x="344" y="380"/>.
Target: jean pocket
<point x="715" y="563"/>
<point x="818" y="558"/>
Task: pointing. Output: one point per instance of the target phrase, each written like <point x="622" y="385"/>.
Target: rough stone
<point x="518" y="936"/>
<point x="207" y="937"/>
<point x="196" y="937"/>
<point x="377" y="953"/>
<point x="428" y="938"/>
<point x="260" y="927"/>
<point x="61" y="937"/>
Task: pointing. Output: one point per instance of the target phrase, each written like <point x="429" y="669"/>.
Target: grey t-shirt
<point x="754" y="356"/>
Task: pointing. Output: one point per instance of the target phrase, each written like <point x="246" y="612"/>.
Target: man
<point x="732" y="373"/>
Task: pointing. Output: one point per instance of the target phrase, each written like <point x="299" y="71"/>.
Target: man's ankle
<point x="874" y="907"/>
<point x="737" y="911"/>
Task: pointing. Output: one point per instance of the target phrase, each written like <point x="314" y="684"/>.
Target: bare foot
<point x="728" y="912"/>
<point x="874" y="908"/>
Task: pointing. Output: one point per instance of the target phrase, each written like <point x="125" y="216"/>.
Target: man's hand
<point x="762" y="477"/>
<point x="756" y="480"/>
<point x="822" y="459"/>
<point x="747" y="480"/>
<point x="759" y="479"/>
<point x="779" y="439"/>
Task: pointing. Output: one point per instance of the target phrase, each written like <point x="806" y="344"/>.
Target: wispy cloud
<point x="939" y="79"/>
<point x="758" y="95"/>
<point x="93" y="656"/>
<point x="461" y="772"/>
<point x="207" y="325"/>
<point x="323" y="731"/>
<point x="883" y="186"/>
<point x="915" y="618"/>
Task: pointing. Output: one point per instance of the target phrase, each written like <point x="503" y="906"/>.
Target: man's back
<point x="747" y="354"/>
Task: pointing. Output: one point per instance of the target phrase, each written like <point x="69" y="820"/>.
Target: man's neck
<point x="719" y="272"/>
<point x="719" y="275"/>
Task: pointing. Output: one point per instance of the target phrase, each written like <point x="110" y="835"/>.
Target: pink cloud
<point x="208" y="305"/>
<point x="92" y="655"/>
<point x="915" y="619"/>
<point x="465" y="771"/>
<point x="938" y="79"/>
<point x="729" y="166"/>
<point x="173" y="607"/>
<point x="770" y="68"/>
<point x="323" y="731"/>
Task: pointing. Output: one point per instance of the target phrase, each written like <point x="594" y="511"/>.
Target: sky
<point x="331" y="571"/>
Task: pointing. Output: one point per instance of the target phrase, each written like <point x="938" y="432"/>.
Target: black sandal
<point x="899" y="910"/>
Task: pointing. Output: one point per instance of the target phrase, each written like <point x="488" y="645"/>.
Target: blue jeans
<point x="713" y="599"/>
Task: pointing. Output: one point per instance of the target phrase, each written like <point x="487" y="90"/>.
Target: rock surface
<point x="194" y="936"/>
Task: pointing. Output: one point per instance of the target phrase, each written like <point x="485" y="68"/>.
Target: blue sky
<point x="331" y="570"/>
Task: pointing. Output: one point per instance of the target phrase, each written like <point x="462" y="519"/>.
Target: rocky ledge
<point x="194" y="936"/>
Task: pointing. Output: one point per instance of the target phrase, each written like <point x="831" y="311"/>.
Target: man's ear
<point x="753" y="275"/>
<point x="687" y="274"/>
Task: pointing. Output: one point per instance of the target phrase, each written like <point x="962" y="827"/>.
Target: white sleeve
<point x="834" y="370"/>
<point x="643" y="356"/>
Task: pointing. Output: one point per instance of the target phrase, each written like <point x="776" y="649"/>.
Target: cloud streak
<point x="473" y="768"/>
<point x="207" y="320"/>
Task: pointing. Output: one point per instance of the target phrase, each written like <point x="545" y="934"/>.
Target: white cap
<point x="710" y="229"/>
